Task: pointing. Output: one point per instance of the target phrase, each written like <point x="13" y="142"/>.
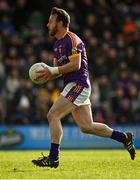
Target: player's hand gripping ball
<point x="35" y="75"/>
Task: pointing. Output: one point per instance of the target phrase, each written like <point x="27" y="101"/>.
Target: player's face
<point x="52" y="25"/>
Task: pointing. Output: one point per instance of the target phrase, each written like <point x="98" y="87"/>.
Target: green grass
<point x="95" y="164"/>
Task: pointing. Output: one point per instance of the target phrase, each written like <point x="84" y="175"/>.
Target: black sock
<point x="54" y="151"/>
<point x="118" y="136"/>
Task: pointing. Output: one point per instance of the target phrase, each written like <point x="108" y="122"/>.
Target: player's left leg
<point x="83" y="117"/>
<point x="58" y="110"/>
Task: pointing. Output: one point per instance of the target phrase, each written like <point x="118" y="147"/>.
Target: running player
<point x="70" y="61"/>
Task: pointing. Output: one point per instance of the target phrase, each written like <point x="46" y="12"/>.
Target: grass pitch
<point x="95" y="164"/>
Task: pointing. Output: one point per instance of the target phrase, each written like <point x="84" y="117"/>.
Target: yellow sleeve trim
<point x="74" y="55"/>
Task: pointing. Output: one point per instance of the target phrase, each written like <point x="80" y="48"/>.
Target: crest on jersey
<point x="60" y="49"/>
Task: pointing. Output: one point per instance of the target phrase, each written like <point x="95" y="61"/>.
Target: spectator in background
<point x="4" y="6"/>
<point x="20" y="14"/>
<point x="111" y="32"/>
<point x="6" y="25"/>
<point x="133" y="94"/>
<point x="129" y="30"/>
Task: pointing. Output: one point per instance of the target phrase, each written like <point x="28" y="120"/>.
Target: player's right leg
<point x="83" y="117"/>
<point x="59" y="109"/>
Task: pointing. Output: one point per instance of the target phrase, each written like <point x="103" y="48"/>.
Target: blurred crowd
<point x="110" y="30"/>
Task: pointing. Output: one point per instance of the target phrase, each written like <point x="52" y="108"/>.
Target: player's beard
<point x="53" y="31"/>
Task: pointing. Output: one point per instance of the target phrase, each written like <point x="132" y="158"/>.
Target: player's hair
<point x="62" y="15"/>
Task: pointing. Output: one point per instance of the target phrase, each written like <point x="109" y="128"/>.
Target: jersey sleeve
<point x="74" y="46"/>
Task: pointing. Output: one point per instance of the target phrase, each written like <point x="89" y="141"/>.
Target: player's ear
<point x="60" y="23"/>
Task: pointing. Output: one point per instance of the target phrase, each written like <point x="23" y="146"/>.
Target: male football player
<point x="70" y="62"/>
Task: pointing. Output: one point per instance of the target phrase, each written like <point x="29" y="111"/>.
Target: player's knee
<point x="86" y="129"/>
<point x="51" y="115"/>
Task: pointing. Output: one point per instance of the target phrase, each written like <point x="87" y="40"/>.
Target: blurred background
<point x="110" y="30"/>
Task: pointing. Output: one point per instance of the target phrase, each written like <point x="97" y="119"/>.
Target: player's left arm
<point x="73" y="53"/>
<point x="54" y="76"/>
<point x="55" y="72"/>
<point x="48" y="72"/>
<point x="73" y="65"/>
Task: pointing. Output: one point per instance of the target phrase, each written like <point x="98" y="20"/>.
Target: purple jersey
<point x="68" y="47"/>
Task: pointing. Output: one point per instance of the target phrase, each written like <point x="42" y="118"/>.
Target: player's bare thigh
<point x="83" y="116"/>
<point x="61" y="107"/>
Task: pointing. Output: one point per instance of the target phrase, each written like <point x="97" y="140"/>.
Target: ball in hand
<point x="34" y="76"/>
